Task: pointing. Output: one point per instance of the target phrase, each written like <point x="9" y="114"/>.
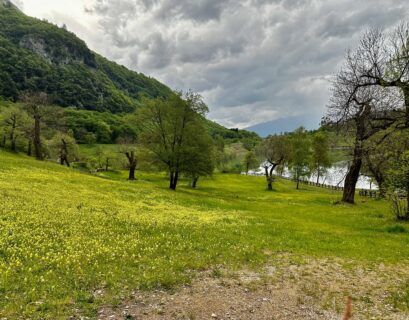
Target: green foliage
<point x="55" y="146"/>
<point x="275" y="150"/>
<point x="300" y="154"/>
<point x="172" y="130"/>
<point x="230" y="158"/>
<point x="320" y="157"/>
<point x="399" y="183"/>
<point x="200" y="160"/>
<point x="248" y="138"/>
<point x="396" y="229"/>
<point x="106" y="127"/>
<point x="250" y="161"/>
<point x="95" y="156"/>
<point x="38" y="56"/>
<point x="399" y="175"/>
<point x="15" y="126"/>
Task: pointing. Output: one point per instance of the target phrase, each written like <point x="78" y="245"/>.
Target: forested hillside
<point x="38" y="56"/>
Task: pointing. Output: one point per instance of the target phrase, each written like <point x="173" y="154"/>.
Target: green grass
<point x="64" y="235"/>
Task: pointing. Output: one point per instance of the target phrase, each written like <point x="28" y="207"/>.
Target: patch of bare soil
<point x="312" y="289"/>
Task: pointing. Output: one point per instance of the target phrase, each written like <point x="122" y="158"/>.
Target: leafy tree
<point x="14" y="122"/>
<point x="399" y="181"/>
<point x="381" y="152"/>
<point x="300" y="155"/>
<point x="200" y="159"/>
<point x="90" y="138"/>
<point x="274" y="151"/>
<point x="105" y="157"/>
<point x="64" y="147"/>
<point x="170" y="129"/>
<point x="250" y="161"/>
<point x="320" y="159"/>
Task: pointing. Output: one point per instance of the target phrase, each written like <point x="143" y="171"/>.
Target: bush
<point x="399" y="207"/>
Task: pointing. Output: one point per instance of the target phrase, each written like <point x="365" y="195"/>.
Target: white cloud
<point x="253" y="60"/>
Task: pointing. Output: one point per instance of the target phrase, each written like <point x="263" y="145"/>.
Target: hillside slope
<point x="72" y="242"/>
<point x="39" y="56"/>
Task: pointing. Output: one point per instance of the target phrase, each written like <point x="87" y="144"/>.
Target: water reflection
<point x="334" y="176"/>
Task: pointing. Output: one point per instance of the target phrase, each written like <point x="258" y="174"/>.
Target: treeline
<point x="304" y="153"/>
<point x="164" y="134"/>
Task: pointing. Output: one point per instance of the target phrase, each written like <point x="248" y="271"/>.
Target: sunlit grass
<point x="65" y="235"/>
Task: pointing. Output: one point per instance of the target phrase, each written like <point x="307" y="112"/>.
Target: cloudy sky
<point x="252" y="60"/>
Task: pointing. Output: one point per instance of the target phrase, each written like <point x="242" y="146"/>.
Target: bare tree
<point x="128" y="148"/>
<point x="384" y="62"/>
<point x="360" y="107"/>
<point x="130" y="155"/>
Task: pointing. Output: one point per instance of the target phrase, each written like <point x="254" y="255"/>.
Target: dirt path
<point x="315" y="289"/>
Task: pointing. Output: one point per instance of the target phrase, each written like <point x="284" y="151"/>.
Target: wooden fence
<point x="362" y="192"/>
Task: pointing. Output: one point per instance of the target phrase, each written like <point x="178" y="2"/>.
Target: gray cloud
<point x="253" y="60"/>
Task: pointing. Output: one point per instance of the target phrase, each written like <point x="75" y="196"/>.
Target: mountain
<point x="36" y="55"/>
<point x="284" y="125"/>
<point x="39" y="56"/>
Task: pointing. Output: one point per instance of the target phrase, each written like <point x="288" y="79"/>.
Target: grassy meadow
<point x="64" y="234"/>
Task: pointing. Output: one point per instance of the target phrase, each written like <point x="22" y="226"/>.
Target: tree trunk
<point x="270" y="177"/>
<point x="64" y="153"/>
<point x="107" y="164"/>
<point x="194" y="182"/>
<point x="353" y="175"/>
<point x="13" y="145"/>
<point x="269" y="183"/>
<point x="132" y="169"/>
<point x="381" y="185"/>
<point x="3" y="141"/>
<point x="175" y="180"/>
<point x="406" y="96"/>
<point x="318" y="175"/>
<point x="29" y="148"/>
<point x="37" y="134"/>
<point x="172" y="178"/>
<point x="64" y="159"/>
<point x="132" y="164"/>
<point x="407" y="199"/>
<point x="298" y="183"/>
<point x="12" y="132"/>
